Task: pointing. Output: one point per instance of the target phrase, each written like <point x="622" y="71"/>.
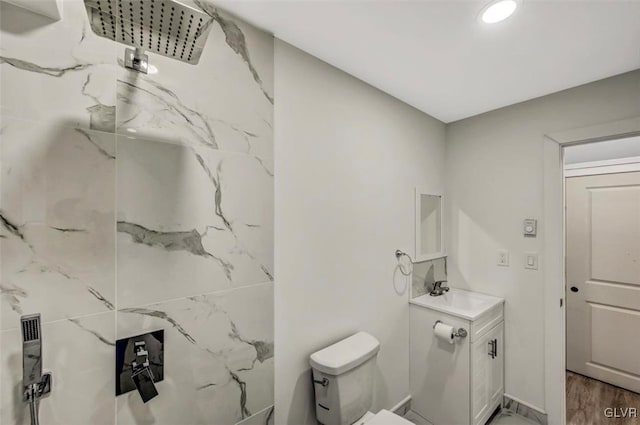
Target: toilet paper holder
<point x="460" y="333"/>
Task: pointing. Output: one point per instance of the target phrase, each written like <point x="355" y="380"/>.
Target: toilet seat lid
<point x="384" y="417"/>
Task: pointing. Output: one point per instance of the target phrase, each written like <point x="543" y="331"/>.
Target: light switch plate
<point x="503" y="258"/>
<point x="530" y="227"/>
<point x="531" y="260"/>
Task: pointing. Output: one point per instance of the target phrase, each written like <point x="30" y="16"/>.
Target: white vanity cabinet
<point x="460" y="383"/>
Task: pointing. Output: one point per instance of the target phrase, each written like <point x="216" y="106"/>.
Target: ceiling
<point x="437" y="56"/>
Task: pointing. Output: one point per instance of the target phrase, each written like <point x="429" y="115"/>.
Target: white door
<point x="603" y="277"/>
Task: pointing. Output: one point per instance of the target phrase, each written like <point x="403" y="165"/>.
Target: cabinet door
<point x="486" y="374"/>
<point x="496" y="387"/>
<point x="480" y="377"/>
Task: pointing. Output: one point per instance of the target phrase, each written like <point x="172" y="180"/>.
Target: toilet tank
<point x="343" y="379"/>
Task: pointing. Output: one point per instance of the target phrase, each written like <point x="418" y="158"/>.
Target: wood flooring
<point x="588" y="398"/>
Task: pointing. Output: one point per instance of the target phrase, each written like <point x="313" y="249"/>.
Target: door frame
<point x="553" y="234"/>
<point x="608" y="166"/>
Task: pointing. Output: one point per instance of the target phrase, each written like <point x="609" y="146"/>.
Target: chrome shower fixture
<point x="136" y="59"/>
<point x="36" y="385"/>
<point x="167" y="27"/>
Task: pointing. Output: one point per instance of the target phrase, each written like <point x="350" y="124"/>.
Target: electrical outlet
<point x="503" y="257"/>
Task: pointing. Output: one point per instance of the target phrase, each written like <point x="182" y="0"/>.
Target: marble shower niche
<point x="131" y="203"/>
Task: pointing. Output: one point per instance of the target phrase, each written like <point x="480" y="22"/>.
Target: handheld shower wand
<point x="36" y="384"/>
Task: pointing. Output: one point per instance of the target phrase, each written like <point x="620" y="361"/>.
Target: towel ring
<point x="399" y="255"/>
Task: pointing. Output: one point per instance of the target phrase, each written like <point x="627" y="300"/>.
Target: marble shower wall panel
<point x="134" y="202"/>
<point x="191" y="220"/>
<point x="57" y="221"/>
<point x="58" y="72"/>
<point x="264" y="417"/>
<point x="225" y="102"/>
<point x="218" y="357"/>
<point x="80" y="352"/>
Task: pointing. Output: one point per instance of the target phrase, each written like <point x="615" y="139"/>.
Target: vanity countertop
<point x="460" y="303"/>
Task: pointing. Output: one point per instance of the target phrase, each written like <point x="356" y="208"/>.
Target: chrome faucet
<point x="438" y="289"/>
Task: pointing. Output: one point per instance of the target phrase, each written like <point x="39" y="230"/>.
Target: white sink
<point x="460" y="303"/>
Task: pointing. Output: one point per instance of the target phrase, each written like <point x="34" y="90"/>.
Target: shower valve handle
<point x="39" y="390"/>
<point x="141" y="373"/>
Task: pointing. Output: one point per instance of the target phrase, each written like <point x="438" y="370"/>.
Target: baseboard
<point x="402" y="407"/>
<point x="525" y="409"/>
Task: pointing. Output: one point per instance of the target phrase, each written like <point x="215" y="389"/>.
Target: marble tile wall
<point x="131" y="203"/>
<point x="425" y="273"/>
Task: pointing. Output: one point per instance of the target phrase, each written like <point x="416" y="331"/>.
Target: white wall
<point x="347" y="160"/>
<point x="493" y="181"/>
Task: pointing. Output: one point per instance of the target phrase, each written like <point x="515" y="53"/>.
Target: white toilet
<point x="343" y="381"/>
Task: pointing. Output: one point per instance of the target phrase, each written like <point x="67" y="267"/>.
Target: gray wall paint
<point x="347" y="159"/>
<point x="493" y="181"/>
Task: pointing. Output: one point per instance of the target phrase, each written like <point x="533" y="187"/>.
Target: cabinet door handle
<point x="495" y="348"/>
<point x="492" y="349"/>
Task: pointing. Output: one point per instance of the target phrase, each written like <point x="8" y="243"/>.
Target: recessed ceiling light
<point x="497" y="11"/>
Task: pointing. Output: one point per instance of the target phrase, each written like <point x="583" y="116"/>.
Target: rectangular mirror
<point x="428" y="225"/>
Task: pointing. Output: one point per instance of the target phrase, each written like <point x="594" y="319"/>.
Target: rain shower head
<point x="167" y="27"/>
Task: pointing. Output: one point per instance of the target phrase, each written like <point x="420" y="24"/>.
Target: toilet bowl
<point x="343" y="383"/>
